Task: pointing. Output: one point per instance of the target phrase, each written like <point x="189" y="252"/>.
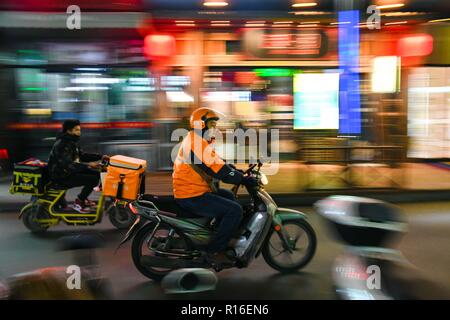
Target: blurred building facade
<point x="133" y="77"/>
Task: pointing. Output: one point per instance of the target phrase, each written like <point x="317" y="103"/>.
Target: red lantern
<point x="416" y="45"/>
<point x="159" y="46"/>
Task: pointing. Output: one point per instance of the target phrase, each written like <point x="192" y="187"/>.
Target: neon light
<point x="227" y="96"/>
<point x="90" y="69"/>
<point x="94" y="80"/>
<point x="215" y="3"/>
<point x="34" y="89"/>
<point x="395" y="23"/>
<point x="179" y="96"/>
<point x="391" y="6"/>
<point x="274" y="72"/>
<point x="304" y="5"/>
<point x="349" y="97"/>
<point x="38" y="112"/>
<point x="440" y="20"/>
<point x="89" y="125"/>
<point x="83" y="88"/>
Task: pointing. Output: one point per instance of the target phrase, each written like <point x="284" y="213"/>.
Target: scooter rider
<point x="194" y="168"/>
<point x="67" y="169"/>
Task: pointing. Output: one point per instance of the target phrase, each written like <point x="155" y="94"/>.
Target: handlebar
<point x="246" y="172"/>
<point x="252" y="166"/>
<point x="102" y="165"/>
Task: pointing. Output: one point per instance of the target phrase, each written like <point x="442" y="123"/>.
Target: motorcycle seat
<point x="168" y="204"/>
<point x="198" y="220"/>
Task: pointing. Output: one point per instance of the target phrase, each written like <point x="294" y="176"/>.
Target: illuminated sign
<point x="349" y="99"/>
<point x="274" y="72"/>
<point x="285" y="43"/>
<point x="175" y="80"/>
<point x="227" y="96"/>
<point x="316" y="101"/>
<point x="385" y="74"/>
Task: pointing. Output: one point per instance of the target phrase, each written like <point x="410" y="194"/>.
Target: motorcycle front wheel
<point x="302" y="241"/>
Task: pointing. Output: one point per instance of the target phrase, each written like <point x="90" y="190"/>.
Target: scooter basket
<point x="124" y="178"/>
<point x="29" y="177"/>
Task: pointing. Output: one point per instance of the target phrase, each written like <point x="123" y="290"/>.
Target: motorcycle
<point x="164" y="241"/>
<point x="372" y="267"/>
<point x="42" y="212"/>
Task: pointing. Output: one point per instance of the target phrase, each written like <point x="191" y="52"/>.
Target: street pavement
<point x="425" y="246"/>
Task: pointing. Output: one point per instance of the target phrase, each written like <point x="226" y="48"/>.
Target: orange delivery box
<point x="124" y="177"/>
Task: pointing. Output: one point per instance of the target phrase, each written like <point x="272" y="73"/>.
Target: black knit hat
<point x="70" y="124"/>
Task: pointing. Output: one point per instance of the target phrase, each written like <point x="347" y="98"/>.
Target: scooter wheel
<point x="30" y="215"/>
<point x="121" y="217"/>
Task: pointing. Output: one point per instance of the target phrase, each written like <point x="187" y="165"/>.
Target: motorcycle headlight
<point x="263" y="179"/>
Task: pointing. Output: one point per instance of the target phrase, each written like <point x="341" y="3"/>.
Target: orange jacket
<point x="187" y="183"/>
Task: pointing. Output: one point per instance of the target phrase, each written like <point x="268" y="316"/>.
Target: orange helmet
<point x="201" y="115"/>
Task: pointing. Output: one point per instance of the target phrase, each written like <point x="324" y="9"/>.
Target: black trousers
<point x="222" y="206"/>
<point x="88" y="179"/>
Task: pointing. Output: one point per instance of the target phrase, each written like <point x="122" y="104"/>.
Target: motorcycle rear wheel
<point x="140" y="248"/>
<point x="273" y="247"/>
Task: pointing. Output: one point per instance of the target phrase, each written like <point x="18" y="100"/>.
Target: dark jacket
<point x="66" y="157"/>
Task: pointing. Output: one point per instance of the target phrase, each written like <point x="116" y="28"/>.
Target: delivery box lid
<point x="127" y="162"/>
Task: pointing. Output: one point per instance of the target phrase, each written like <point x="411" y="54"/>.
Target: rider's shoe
<point x="90" y="203"/>
<point x="220" y="258"/>
<point x="80" y="206"/>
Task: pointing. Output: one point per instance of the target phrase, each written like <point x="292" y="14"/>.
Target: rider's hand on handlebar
<point x="249" y="181"/>
<point x="234" y="168"/>
<point x="94" y="165"/>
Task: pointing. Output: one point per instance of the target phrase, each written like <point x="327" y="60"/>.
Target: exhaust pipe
<point x="189" y="280"/>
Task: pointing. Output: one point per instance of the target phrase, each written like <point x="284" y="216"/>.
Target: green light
<point x="28" y="51"/>
<point x="275" y="72"/>
<point x="129" y="73"/>
<point x="34" y="89"/>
